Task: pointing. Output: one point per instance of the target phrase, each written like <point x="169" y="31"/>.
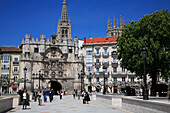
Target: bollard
<point x="79" y="97"/>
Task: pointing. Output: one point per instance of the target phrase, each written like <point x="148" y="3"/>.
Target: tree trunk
<point x="153" y="88"/>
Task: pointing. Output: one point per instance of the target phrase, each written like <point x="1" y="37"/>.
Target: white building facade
<point x="100" y="55"/>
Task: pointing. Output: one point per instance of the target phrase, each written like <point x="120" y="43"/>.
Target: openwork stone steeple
<point x="64" y="14"/>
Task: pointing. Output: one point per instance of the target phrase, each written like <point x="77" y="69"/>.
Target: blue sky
<point x="88" y="17"/>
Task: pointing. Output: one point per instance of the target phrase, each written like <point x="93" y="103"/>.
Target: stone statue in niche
<point x="53" y="64"/>
<point x="53" y="74"/>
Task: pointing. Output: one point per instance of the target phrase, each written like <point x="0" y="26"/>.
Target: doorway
<point x="56" y="86"/>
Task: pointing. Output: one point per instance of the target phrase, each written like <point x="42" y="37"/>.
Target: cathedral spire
<point x="108" y="23"/>
<point x="117" y="24"/>
<point x="64" y="14"/>
<point x="114" y="22"/>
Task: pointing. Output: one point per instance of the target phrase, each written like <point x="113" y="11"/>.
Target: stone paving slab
<point x="67" y="105"/>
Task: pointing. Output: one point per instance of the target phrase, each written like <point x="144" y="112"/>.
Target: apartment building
<point x="100" y="59"/>
<point x="10" y="69"/>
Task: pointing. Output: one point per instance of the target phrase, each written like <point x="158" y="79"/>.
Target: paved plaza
<point x="68" y="105"/>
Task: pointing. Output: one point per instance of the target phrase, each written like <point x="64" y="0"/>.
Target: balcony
<point x="105" y="55"/>
<point x="114" y="64"/>
<point x="98" y="64"/>
<point x="106" y="64"/>
<point x="15" y="63"/>
<point x="97" y="55"/>
<point x="114" y="54"/>
<point x="15" y="72"/>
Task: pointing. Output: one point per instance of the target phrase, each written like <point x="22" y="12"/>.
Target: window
<point x="97" y="79"/>
<point x="114" y="69"/>
<point x="114" y="60"/>
<point x="123" y="79"/>
<point x="35" y="50"/>
<point x="123" y="70"/>
<point x="15" y="78"/>
<point x="105" y="70"/>
<point x="63" y="31"/>
<point x="70" y="50"/>
<point x="15" y="69"/>
<point x="97" y="51"/>
<point x="89" y="52"/>
<point x="132" y="79"/>
<point x="115" y="79"/>
<point x="5" y="59"/>
<point x="5" y="67"/>
<point x="97" y="70"/>
<point x="105" y="51"/>
<point x="89" y="69"/>
<point x="15" y="59"/>
<point x="97" y="61"/>
<point x="89" y="79"/>
<point x="106" y="79"/>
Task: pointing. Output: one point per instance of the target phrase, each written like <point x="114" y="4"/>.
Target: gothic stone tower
<point x="55" y="60"/>
<point x="115" y="29"/>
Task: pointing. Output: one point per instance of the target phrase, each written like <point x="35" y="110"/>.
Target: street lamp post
<point x="145" y="95"/>
<point x="33" y="80"/>
<point x="39" y="79"/>
<point x="104" y="90"/>
<point x="90" y="82"/>
<point x="81" y="76"/>
<point x="25" y="71"/>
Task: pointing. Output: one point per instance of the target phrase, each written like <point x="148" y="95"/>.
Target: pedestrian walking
<point x="40" y="97"/>
<point x="45" y="92"/>
<point x="20" y="93"/>
<point x="74" y="94"/>
<point x="84" y="95"/>
<point x="35" y="95"/>
<point x="51" y="95"/>
<point x="25" y="99"/>
<point x="87" y="97"/>
<point x="61" y="94"/>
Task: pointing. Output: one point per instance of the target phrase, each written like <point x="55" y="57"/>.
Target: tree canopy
<point x="152" y="32"/>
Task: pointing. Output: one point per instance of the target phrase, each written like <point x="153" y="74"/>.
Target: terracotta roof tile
<point x="101" y="40"/>
<point x="10" y="49"/>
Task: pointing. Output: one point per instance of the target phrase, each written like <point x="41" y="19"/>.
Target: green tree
<point x="153" y="33"/>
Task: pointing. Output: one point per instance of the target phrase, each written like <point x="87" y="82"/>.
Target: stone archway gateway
<point x="56" y="86"/>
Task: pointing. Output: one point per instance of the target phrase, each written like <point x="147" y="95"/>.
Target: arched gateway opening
<point x="56" y="86"/>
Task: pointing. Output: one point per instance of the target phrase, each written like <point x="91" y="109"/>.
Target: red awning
<point x="14" y="86"/>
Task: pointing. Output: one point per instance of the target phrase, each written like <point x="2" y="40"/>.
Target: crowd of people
<point x="42" y="95"/>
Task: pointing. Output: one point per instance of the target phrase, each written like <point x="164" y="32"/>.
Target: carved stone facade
<point x="56" y="60"/>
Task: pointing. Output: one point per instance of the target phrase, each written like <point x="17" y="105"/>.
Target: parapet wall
<point x="144" y="106"/>
<point x="6" y="103"/>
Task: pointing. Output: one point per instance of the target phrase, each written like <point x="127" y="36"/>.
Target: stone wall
<point x="144" y="106"/>
<point x="115" y="101"/>
<point x="6" y="103"/>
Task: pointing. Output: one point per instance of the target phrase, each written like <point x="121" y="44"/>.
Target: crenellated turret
<point x="27" y="38"/>
<point x="26" y="44"/>
<point x="42" y="43"/>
